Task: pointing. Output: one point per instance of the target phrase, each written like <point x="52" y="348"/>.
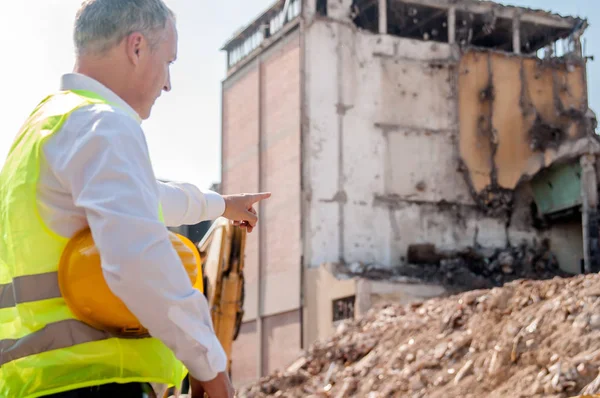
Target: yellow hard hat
<point x="87" y="294"/>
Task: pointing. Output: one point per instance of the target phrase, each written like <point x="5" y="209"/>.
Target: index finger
<point x="257" y="197"/>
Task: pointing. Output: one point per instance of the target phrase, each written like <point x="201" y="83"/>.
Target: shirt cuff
<point x="207" y="367"/>
<point x="215" y="205"/>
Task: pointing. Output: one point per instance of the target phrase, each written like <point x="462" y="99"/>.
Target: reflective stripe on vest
<point x="57" y="335"/>
<point x="43" y="349"/>
<point x="29" y="288"/>
<point x="54" y="336"/>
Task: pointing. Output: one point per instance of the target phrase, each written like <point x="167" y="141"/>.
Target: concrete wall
<point x="261" y="151"/>
<point x="323" y="288"/>
<point x="381" y="161"/>
<point x="507" y="106"/>
<point x="566" y="242"/>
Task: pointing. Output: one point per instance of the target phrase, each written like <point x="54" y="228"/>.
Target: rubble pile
<point x="471" y="268"/>
<point x="525" y="339"/>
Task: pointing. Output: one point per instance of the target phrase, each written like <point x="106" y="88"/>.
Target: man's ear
<point x="134" y="46"/>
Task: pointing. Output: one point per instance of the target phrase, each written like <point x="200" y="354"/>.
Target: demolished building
<point x="402" y="139"/>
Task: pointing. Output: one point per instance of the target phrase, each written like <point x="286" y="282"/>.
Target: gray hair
<point x="102" y="24"/>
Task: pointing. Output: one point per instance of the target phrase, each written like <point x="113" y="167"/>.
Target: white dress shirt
<point x="96" y="171"/>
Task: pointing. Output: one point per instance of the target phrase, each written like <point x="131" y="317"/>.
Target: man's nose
<point x="167" y="86"/>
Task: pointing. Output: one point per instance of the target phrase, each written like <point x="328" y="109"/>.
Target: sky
<point x="184" y="130"/>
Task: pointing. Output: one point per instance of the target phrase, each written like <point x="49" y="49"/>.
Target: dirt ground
<point x="525" y="339"/>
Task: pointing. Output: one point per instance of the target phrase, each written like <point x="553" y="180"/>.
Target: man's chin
<point x="146" y="114"/>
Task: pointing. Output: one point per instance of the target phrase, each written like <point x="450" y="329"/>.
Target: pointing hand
<point x="240" y="208"/>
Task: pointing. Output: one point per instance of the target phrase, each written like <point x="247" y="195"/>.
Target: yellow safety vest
<point x="44" y="349"/>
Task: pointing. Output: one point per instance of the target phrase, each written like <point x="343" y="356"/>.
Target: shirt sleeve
<point x="108" y="171"/>
<point x="186" y="204"/>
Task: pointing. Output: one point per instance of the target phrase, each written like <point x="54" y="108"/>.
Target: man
<point x="81" y="160"/>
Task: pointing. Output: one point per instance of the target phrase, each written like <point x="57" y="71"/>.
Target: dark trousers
<point x="130" y="390"/>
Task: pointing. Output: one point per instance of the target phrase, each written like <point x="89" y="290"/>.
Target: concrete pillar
<point x="309" y="9"/>
<point x="383" y="17"/>
<point x="517" y="34"/>
<point x="261" y="226"/>
<point x="577" y="47"/>
<point x="363" y="297"/>
<point x="589" y="214"/>
<point x="339" y="9"/>
<point x="452" y="25"/>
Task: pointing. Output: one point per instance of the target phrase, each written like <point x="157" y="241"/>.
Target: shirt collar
<point x="77" y="81"/>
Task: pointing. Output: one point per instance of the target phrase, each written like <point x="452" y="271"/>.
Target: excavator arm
<point x="222" y="256"/>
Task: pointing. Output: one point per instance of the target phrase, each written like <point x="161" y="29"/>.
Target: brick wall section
<point x="240" y="140"/>
<point x="240" y="146"/>
<point x="282" y="157"/>
<point x="240" y="133"/>
<point x="281" y="217"/>
<point x="245" y="351"/>
<point x="281" y="341"/>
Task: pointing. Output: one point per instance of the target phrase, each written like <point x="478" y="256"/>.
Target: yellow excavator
<point x="222" y="257"/>
<point x="215" y="267"/>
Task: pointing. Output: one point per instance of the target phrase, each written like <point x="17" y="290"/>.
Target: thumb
<point x="257" y="197"/>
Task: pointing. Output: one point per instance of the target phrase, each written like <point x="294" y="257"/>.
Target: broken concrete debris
<point x="526" y="339"/>
<point x="471" y="268"/>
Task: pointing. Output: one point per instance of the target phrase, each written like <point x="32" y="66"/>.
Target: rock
<point x="348" y="388"/>
<point x="356" y="268"/>
<point x="467" y="367"/>
<point x="536" y="388"/>
<point x="416" y="383"/>
<point x="297" y="365"/>
<point x="581" y="321"/>
<point x="440" y="350"/>
<point x="595" y="321"/>
<point x="469" y="297"/>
